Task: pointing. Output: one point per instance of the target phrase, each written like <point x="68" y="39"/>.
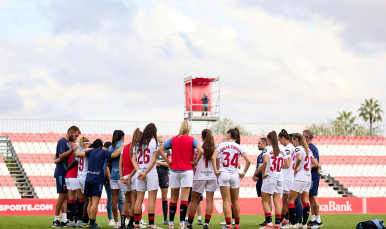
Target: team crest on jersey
<point x="287" y="152"/>
<point x="297" y="150"/>
<point x="264" y="150"/>
<point x="218" y="205"/>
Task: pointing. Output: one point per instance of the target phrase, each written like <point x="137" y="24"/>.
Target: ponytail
<point x="82" y="141"/>
<point x="235" y="134"/>
<point x="284" y="134"/>
<point x="275" y="144"/>
<point x="302" y="141"/>
<point x="208" y="145"/>
<point x="117" y="135"/>
<point x="136" y="138"/>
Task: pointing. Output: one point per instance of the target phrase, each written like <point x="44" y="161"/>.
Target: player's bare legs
<point x="133" y="201"/>
<point x="138" y="208"/>
<point x="152" y="196"/>
<point x="266" y="200"/>
<point x="193" y="207"/>
<point x="226" y="193"/>
<point x="276" y="202"/>
<point x="115" y="194"/>
<point x="235" y="205"/>
<point x="125" y="208"/>
<point x="284" y="210"/>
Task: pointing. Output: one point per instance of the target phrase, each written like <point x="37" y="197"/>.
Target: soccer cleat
<point x="56" y="224"/>
<point x="85" y="225"/>
<point x="237" y="226"/>
<point x="189" y="226"/>
<point x="289" y="226"/>
<point x="142" y="226"/>
<point x="142" y="222"/>
<point x="311" y="223"/>
<point x="123" y="227"/>
<point x="206" y="226"/>
<point x="117" y="225"/>
<point x="182" y="227"/>
<point x="223" y="223"/>
<point x="72" y="225"/>
<point x="111" y="223"/>
<point x="166" y="222"/>
<point x="171" y="226"/>
<point x="303" y="226"/>
<point x="199" y="222"/>
<point x="263" y="223"/>
<point x="285" y="222"/>
<point x="64" y="224"/>
<point x="319" y="224"/>
<point x="95" y="226"/>
<point x="233" y="222"/>
<point x="227" y="227"/>
<point x="277" y="226"/>
<point x="79" y="225"/>
<point x="153" y="227"/>
<point x="268" y="227"/>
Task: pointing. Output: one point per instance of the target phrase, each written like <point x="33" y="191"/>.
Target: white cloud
<point x="272" y="69"/>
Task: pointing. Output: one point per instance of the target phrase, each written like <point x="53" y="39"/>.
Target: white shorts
<point x="133" y="182"/>
<point x="126" y="187"/>
<point x="301" y="186"/>
<point x="287" y="183"/>
<point x="72" y="184"/>
<point x="181" y="179"/>
<point x="229" y="180"/>
<point x="116" y="184"/>
<point x="82" y="182"/>
<point x="271" y="186"/>
<point x="149" y="183"/>
<point x="201" y="185"/>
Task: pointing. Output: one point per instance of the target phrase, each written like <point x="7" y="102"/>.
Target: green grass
<point x="247" y="221"/>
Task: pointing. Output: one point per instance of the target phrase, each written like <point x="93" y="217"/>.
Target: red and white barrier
<point x="248" y="206"/>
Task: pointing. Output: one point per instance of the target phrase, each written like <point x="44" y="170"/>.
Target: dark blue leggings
<point x="299" y="210"/>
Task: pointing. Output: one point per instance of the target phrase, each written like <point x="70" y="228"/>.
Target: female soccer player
<point x="144" y="158"/>
<point x="229" y="178"/>
<point x="273" y="162"/>
<point x="126" y="172"/>
<point x="288" y="173"/>
<point x="204" y="179"/>
<point x="302" y="182"/>
<point x="181" y="169"/>
<point x="115" y="183"/>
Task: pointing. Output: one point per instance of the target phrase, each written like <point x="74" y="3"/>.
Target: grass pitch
<point x="247" y="221"/>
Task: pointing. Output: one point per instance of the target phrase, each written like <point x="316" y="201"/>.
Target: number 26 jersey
<point x="145" y="155"/>
<point x="229" y="154"/>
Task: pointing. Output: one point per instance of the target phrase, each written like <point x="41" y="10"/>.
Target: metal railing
<point x="171" y="128"/>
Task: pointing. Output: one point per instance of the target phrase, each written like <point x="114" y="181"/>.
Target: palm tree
<point x="370" y="111"/>
<point x="347" y="121"/>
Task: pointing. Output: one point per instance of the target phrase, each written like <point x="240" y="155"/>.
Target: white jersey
<point x="82" y="167"/>
<point x="289" y="150"/>
<point x="230" y="153"/>
<point x="204" y="168"/>
<point x="145" y="155"/>
<point x="275" y="163"/>
<point x="305" y="165"/>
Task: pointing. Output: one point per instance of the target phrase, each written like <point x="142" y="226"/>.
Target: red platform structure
<point x="195" y="88"/>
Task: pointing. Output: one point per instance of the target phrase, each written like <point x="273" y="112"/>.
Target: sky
<point x="279" y="61"/>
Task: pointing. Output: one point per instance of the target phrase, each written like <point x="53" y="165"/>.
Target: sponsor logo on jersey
<point x="297" y="150"/>
<point x="218" y="205"/>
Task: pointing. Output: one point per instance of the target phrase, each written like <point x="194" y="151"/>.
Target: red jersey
<point x="127" y="164"/>
<point x="72" y="173"/>
<point x="182" y="153"/>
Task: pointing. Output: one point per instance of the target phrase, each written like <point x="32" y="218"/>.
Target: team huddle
<point x="195" y="168"/>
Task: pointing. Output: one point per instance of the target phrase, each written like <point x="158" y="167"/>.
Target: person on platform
<point x="205" y="102"/>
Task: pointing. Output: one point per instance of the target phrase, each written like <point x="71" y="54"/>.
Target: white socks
<point x="171" y="223"/>
<point x="317" y="218"/>
<point x="313" y="217"/>
<point x="64" y="217"/>
<point x="56" y="217"/>
<point x="199" y="217"/>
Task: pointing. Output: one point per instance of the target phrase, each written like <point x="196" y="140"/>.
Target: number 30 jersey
<point x="82" y="165"/>
<point x="275" y="163"/>
<point x="229" y="154"/>
<point x="305" y="165"/>
<point x="145" y="155"/>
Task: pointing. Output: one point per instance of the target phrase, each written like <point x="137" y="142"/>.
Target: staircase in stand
<point x="337" y="186"/>
<point x="16" y="170"/>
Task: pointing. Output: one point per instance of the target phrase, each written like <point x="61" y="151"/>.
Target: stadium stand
<point x="356" y="164"/>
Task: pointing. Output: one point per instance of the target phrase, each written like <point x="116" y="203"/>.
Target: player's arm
<point x="247" y="164"/>
<point x="117" y="152"/>
<point x="64" y="155"/>
<point x="121" y="169"/>
<point x="152" y="163"/>
<point x="135" y="163"/>
<point x="82" y="153"/>
<point x="72" y="165"/>
<point x="287" y="163"/>
<point x="161" y="152"/>
<point x="315" y="163"/>
<point x="298" y="161"/>
<point x="58" y="160"/>
<point x="108" y="174"/>
<point x="264" y="166"/>
<point x="199" y="155"/>
<point x="214" y="162"/>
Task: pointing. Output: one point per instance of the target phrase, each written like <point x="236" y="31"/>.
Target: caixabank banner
<point x="248" y="206"/>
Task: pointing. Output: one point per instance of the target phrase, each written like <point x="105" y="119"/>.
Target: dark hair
<point x="107" y="144"/>
<point x="208" y="145"/>
<point x="136" y="137"/>
<point x="235" y="134"/>
<point x="275" y="144"/>
<point x="264" y="140"/>
<point x="97" y="144"/>
<point x="283" y="134"/>
<point x="309" y="134"/>
<point x="117" y="135"/>
<point x="290" y="136"/>
<point x="73" y="129"/>
<point x="302" y="141"/>
<point x="149" y="132"/>
<point x="91" y="146"/>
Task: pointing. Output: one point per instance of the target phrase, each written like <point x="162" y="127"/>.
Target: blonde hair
<point x="184" y="129"/>
<point x="82" y="141"/>
<point x="302" y="141"/>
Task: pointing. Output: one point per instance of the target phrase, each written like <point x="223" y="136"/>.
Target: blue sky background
<point x="279" y="61"/>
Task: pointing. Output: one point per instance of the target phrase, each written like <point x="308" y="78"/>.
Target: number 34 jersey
<point x="145" y="155"/>
<point x="229" y="154"/>
<point x="275" y="163"/>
